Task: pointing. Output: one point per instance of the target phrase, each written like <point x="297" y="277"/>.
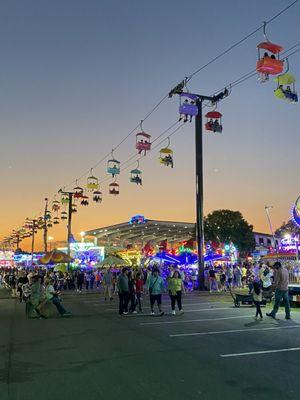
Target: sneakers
<point x="173" y="312"/>
<point x="181" y="312"/>
<point x="161" y="313"/>
<point x="287" y="317"/>
<point x="270" y="315"/>
<point x="125" y="313"/>
<point x="152" y="313"/>
<point x="134" y="312"/>
<point x="66" y="314"/>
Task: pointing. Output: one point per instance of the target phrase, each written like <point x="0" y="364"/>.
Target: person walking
<point x="213" y="283"/>
<point x="80" y="280"/>
<point x="155" y="289"/>
<point x="132" y="296"/>
<point x="107" y="282"/>
<point x="238" y="276"/>
<point x="87" y="280"/>
<point x="139" y="289"/>
<point x="176" y="288"/>
<point x="123" y="291"/>
<point x="257" y="297"/>
<point x="92" y="280"/>
<point x="22" y="280"/>
<point x="281" y="282"/>
<point x="266" y="278"/>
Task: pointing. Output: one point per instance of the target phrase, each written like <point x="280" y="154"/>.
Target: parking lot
<point x="213" y="351"/>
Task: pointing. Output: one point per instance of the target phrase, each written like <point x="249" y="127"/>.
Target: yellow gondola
<point x="286" y="88"/>
<point x="166" y="156"/>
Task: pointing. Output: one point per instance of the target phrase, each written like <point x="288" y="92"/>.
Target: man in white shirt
<point x="52" y="295"/>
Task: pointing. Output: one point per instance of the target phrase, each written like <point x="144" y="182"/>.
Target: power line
<point x="235" y="83"/>
<point x="239" y="42"/>
<point x="188" y="79"/>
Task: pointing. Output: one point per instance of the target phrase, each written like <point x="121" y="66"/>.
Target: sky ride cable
<point x="188" y="79"/>
<point x="235" y="83"/>
<point x="236" y="44"/>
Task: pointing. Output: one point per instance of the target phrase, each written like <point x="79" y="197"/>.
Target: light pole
<point x="267" y="208"/>
<point x="297" y="249"/>
<point x="199" y="99"/>
<point x="70" y="212"/>
<point x="50" y="238"/>
<point x="82" y="234"/>
<point x="32" y="224"/>
<point x="45" y="227"/>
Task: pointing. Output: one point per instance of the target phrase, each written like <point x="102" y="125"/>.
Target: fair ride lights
<point x="296" y="212"/>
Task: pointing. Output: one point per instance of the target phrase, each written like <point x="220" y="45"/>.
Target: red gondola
<point x="268" y="64"/>
<point x="214" y="121"/>
<point x="143" y="142"/>
<point x="114" y="188"/>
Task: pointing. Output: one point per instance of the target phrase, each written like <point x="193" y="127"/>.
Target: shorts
<point x="155" y="298"/>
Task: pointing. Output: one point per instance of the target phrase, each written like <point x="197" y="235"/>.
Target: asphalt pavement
<point x="214" y="351"/>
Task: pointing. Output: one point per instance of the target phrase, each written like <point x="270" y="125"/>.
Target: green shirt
<point x="175" y="285"/>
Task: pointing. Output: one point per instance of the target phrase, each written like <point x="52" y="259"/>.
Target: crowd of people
<point x="40" y="287"/>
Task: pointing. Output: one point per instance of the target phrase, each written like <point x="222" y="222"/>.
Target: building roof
<point x="133" y="233"/>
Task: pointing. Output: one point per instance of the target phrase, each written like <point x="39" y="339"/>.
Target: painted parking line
<point x="233" y="331"/>
<point x="255" y="353"/>
<point x="184" y="321"/>
<point x="185" y="311"/>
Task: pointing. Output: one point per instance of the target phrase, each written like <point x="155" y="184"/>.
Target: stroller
<point x="247" y="299"/>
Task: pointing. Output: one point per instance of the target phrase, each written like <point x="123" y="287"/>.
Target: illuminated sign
<point x="289" y="243"/>
<point x="137" y="220"/>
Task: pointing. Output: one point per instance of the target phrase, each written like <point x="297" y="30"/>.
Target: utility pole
<point x="69" y="234"/>
<point x="32" y="224"/>
<point x="199" y="99"/>
<point x="45" y="227"/>
<point x="17" y="240"/>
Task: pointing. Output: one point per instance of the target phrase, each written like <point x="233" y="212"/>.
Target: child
<point x="257" y="297"/>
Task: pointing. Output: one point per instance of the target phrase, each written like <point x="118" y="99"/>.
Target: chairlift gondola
<point x="97" y="196"/>
<point x="92" y="182"/>
<point x="187" y="107"/>
<point x="166" y="156"/>
<point x="268" y="64"/>
<point x="114" y="188"/>
<point x="214" y="121"/>
<point x="286" y="88"/>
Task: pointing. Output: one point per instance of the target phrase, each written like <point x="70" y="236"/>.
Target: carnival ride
<point x="296" y="212"/>
<point x="269" y="63"/>
<point x="214" y="121"/>
<point x="143" y="141"/>
<point x="187" y="106"/>
<point x="166" y="156"/>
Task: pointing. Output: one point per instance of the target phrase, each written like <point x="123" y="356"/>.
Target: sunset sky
<point x="78" y="76"/>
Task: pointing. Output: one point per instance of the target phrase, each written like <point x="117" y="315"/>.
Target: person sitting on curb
<point x="53" y="296"/>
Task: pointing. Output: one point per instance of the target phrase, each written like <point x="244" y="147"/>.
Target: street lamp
<point x="267" y="208"/>
<point x="50" y="238"/>
<point x="82" y="234"/>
